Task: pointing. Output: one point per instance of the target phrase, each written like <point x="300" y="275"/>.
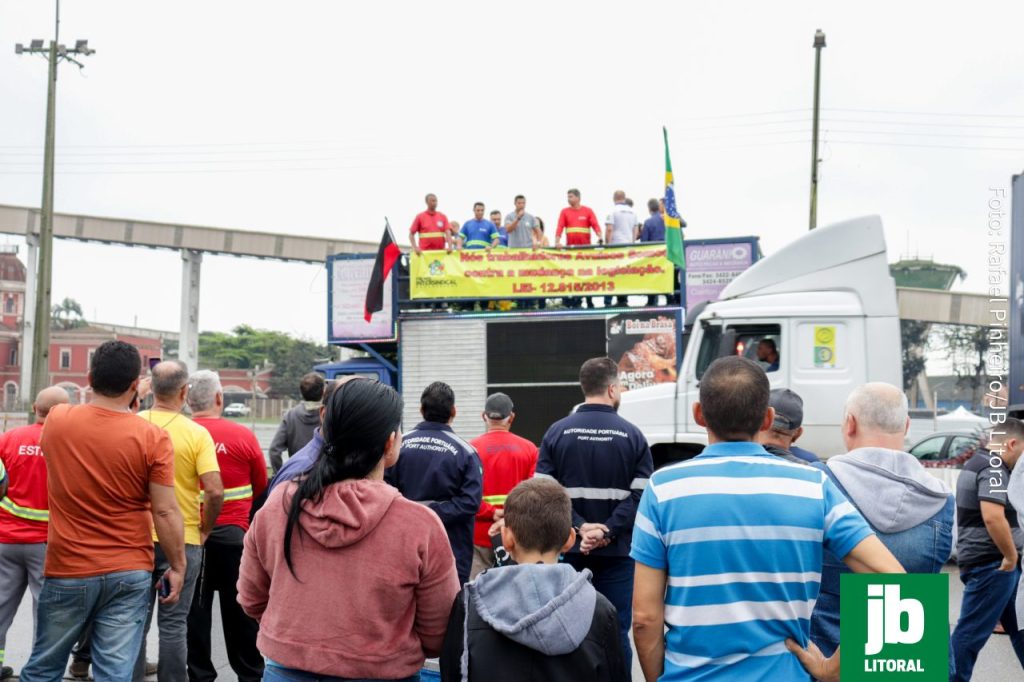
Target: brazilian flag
<point x="673" y="225"/>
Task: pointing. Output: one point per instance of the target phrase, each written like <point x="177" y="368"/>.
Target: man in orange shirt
<point x="507" y="460"/>
<point x="24" y="513"/>
<point x="111" y="478"/>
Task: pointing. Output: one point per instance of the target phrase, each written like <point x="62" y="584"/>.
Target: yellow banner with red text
<point x="541" y="273"/>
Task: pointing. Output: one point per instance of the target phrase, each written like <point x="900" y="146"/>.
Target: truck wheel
<point x="670" y="453"/>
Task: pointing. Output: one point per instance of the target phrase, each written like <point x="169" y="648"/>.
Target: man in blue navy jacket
<point x="440" y="470"/>
<point x="604" y="463"/>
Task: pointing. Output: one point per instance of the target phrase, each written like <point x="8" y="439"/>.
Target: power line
<point x="922" y="113"/>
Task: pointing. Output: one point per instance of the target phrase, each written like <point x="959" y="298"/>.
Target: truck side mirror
<point x="727" y="346"/>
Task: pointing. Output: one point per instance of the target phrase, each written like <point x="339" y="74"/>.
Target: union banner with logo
<point x="548" y="273"/>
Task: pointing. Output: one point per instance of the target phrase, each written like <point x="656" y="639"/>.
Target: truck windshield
<point x="747" y="340"/>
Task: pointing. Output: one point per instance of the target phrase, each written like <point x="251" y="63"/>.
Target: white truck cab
<point x="828" y="304"/>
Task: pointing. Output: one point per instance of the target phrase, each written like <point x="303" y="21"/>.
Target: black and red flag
<point x="387" y="256"/>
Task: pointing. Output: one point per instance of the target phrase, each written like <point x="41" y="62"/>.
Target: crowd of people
<point x="371" y="550"/>
<point x="432" y="231"/>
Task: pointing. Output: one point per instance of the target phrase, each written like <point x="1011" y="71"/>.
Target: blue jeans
<point x="172" y="619"/>
<point x="989" y="596"/>
<point x="613" y="577"/>
<point x="921" y="549"/>
<point x="115" y="606"/>
<point x="274" y="672"/>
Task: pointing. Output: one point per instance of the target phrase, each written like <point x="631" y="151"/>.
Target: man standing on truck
<point x="523" y="229"/>
<point x="440" y="470"/>
<point x="620" y="227"/>
<point x="604" y="462"/>
<point x="478" y="233"/>
<point x="297" y="427"/>
<point x="432" y="229"/>
<point x="507" y="460"/>
<point x="989" y="542"/>
<point x="576" y="221"/>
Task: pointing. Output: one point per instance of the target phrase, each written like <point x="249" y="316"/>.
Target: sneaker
<point x="150" y="668"/>
<point x="79" y="669"/>
<point x="6" y="672"/>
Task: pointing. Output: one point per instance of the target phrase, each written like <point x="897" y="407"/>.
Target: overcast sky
<point x="321" y="118"/>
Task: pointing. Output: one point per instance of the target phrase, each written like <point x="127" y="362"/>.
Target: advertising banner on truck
<point x="712" y="264"/>
<point x="348" y="276"/>
<point x="643" y="345"/>
<point x="528" y="273"/>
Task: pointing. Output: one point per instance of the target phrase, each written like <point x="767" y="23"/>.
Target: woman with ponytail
<point x="348" y="580"/>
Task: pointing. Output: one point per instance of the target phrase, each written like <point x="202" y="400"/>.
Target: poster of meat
<point x="644" y="347"/>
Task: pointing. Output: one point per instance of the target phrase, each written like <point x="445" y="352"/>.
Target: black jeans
<point x="223" y="556"/>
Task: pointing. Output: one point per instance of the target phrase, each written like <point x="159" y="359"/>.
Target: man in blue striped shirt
<point x="728" y="545"/>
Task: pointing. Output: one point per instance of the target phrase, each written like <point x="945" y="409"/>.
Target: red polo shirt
<point x="431" y="228"/>
<point x="507" y="460"/>
<point x="243" y="468"/>
<point x="24" y="512"/>
<point x="577" y="224"/>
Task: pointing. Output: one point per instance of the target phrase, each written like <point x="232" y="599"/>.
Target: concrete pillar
<point x="28" y="317"/>
<point x="188" y="345"/>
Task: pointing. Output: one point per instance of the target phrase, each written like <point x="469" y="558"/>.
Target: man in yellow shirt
<point x="195" y="463"/>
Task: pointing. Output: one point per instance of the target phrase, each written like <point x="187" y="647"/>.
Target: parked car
<point x="237" y="410"/>
<point x="946" y="449"/>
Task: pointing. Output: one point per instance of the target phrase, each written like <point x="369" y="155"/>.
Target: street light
<point x="819" y="42"/>
<point x="36" y="362"/>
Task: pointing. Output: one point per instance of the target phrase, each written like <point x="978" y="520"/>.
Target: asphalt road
<point x="997" y="662"/>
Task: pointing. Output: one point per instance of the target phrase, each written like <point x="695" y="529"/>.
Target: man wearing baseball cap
<point x="787" y="427"/>
<point x="507" y="460"/>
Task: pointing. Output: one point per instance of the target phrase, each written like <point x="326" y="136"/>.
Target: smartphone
<point x="165" y="587"/>
<point x="153" y="362"/>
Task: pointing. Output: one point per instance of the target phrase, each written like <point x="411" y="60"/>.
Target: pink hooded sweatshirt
<point x="373" y="586"/>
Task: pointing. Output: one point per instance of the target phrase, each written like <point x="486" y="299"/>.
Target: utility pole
<point x="819" y="42"/>
<point x="40" y="355"/>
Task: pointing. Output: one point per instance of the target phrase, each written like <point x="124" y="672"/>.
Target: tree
<point x="967" y="346"/>
<point x="248" y="348"/>
<point x="68" y="315"/>
<point x="914" y="338"/>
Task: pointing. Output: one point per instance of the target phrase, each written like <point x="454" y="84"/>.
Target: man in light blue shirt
<point x="728" y="545"/>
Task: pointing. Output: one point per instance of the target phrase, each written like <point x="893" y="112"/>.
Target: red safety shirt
<point x="24" y="512"/>
<point x="577" y="224"/>
<point x="243" y="468"/>
<point x="431" y="228"/>
<point x="507" y="461"/>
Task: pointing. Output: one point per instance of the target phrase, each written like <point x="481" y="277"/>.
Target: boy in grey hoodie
<point x="538" y="619"/>
<point x="909" y="509"/>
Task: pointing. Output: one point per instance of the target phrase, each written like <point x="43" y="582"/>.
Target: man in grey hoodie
<point x="909" y="509"/>
<point x="538" y="619"/>
<point x="297" y="427"/>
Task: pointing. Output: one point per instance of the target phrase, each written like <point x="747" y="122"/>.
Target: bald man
<point x="24" y="514"/>
<point x="910" y="510"/>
